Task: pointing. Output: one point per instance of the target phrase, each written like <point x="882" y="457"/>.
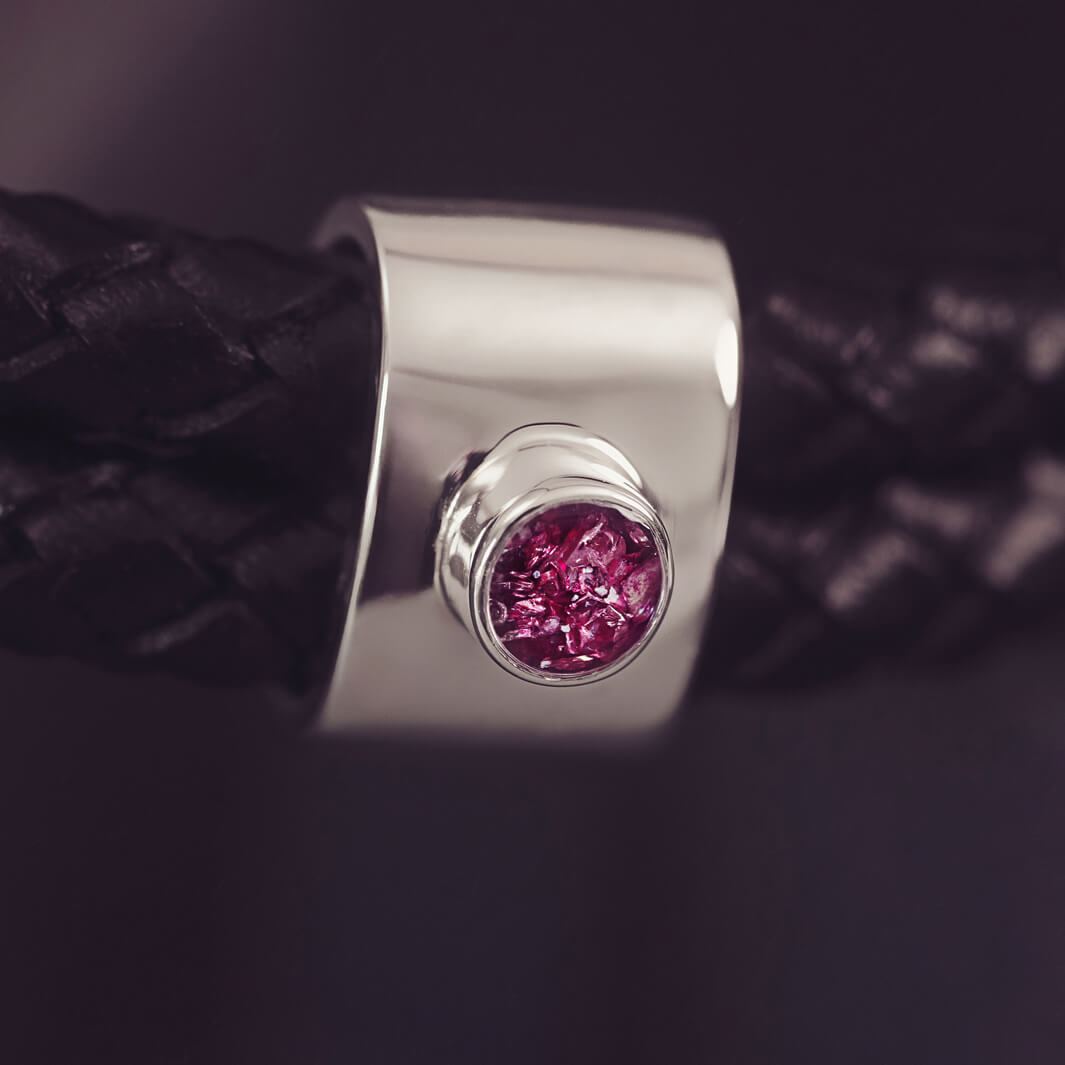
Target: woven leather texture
<point x="185" y="423"/>
<point x="899" y="489"/>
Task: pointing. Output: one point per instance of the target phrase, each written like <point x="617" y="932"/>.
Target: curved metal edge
<point x="349" y="217"/>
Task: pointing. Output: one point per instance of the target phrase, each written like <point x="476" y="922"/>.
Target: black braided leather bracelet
<point x="188" y="424"/>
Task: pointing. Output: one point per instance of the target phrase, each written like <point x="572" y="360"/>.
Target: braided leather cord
<point x="900" y="489"/>
<point x="183" y="437"/>
<point x="185" y="423"/>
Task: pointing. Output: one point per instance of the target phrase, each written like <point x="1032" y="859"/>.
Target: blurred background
<point x="872" y="872"/>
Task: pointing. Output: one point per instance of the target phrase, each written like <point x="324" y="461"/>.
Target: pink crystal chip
<point x="575" y="588"/>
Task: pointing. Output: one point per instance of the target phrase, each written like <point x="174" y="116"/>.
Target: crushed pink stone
<point x="575" y="588"/>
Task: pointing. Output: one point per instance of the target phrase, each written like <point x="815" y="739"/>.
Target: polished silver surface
<point x="497" y="319"/>
<point x="531" y="470"/>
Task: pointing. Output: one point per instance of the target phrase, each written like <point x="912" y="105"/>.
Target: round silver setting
<point x="533" y="470"/>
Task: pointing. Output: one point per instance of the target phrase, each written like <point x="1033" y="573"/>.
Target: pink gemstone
<point x="575" y="588"/>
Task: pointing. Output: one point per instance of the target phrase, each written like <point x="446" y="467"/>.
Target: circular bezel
<point x="497" y="536"/>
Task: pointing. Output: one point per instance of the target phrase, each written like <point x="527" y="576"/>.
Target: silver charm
<point x="551" y="469"/>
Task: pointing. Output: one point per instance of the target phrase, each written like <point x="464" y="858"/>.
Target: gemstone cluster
<point x="575" y="588"/>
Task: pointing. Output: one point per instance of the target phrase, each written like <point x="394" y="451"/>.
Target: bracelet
<point x="189" y="427"/>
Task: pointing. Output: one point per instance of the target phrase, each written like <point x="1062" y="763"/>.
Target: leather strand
<point x="854" y="374"/>
<point x="906" y="569"/>
<point x="116" y="330"/>
<point x="185" y="422"/>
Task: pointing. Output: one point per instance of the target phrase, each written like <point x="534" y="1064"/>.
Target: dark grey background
<point x="873" y="873"/>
